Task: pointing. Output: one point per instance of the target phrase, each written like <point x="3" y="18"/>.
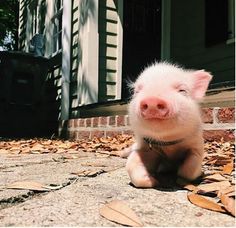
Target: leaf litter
<point x="106" y="146"/>
<point x="215" y="190"/>
<point x="119" y="212"/>
<point x="32" y="185"/>
<point x="218" y="180"/>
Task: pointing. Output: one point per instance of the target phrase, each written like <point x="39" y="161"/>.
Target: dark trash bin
<point x="22" y="76"/>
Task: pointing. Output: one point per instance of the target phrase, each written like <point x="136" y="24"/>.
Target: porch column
<point x="87" y="87"/>
<point x="66" y="59"/>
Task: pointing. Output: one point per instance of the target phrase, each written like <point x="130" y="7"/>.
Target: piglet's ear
<point x="201" y="82"/>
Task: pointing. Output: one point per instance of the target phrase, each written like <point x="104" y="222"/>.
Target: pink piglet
<point x="165" y="117"/>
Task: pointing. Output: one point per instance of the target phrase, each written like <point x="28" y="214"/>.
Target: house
<point x="95" y="46"/>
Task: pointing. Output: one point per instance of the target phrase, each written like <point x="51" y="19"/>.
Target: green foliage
<point x="9" y="11"/>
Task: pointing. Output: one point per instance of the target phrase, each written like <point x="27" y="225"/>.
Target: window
<point x="57" y="26"/>
<point x="36" y="19"/>
<point x="219" y="18"/>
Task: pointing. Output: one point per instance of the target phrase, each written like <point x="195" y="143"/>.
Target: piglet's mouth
<point x="155" y="118"/>
<point x="156" y="114"/>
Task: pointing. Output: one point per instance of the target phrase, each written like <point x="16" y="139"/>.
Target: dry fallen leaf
<point x="215" y="186"/>
<point x="94" y="164"/>
<point x="215" y="177"/>
<point x="205" y="203"/>
<point x="89" y="173"/>
<point x="230" y="191"/>
<point x="119" y="211"/>
<point x="228" y="168"/>
<point x="190" y="187"/>
<point x="229" y="204"/>
<point x="29" y="185"/>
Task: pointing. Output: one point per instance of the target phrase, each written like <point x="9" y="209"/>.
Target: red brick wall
<point x="218" y="124"/>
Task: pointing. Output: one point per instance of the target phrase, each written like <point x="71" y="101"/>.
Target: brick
<point x="81" y="123"/>
<point x="95" y="121"/>
<point x="207" y="115"/>
<point x="88" y="122"/>
<point x="112" y="121"/>
<point x="226" y="115"/>
<point x="120" y="121"/>
<point x="82" y="134"/>
<point x="217" y="135"/>
<point x="102" y="121"/>
<point x="76" y="123"/>
<point x="97" y="134"/>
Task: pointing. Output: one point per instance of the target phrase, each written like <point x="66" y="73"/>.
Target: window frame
<point x="56" y="23"/>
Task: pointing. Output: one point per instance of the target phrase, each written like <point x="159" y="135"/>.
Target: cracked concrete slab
<point x="50" y="169"/>
<point x="78" y="202"/>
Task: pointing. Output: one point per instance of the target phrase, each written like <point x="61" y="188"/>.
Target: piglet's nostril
<point x="161" y="106"/>
<point x="144" y="106"/>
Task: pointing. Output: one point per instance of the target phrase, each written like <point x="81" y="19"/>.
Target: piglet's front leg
<point x="192" y="165"/>
<point x="139" y="165"/>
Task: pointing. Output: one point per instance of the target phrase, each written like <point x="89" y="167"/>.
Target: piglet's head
<point x="201" y="80"/>
<point x="163" y="91"/>
<point x="165" y="101"/>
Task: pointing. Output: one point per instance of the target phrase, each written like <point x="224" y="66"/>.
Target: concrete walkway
<point x="77" y="203"/>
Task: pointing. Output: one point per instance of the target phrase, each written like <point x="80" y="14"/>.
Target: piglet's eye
<point x="182" y="89"/>
<point x="183" y="92"/>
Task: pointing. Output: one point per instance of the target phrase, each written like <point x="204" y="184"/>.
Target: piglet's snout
<point x="155" y="108"/>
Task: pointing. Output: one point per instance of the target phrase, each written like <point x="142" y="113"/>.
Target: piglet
<point x="165" y="117"/>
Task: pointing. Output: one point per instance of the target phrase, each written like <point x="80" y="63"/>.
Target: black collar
<point x="153" y="142"/>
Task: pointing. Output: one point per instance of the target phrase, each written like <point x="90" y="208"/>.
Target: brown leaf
<point x="230" y="191"/>
<point x="215" y="177"/>
<point x="203" y="202"/>
<point x="186" y="184"/>
<point x="29" y="185"/>
<point x="88" y="173"/>
<point x="228" y="203"/>
<point x="95" y="173"/>
<point x="119" y="211"/>
<point x="215" y="186"/>
<point x="222" y="161"/>
<point x="191" y="187"/>
<point x="228" y="168"/>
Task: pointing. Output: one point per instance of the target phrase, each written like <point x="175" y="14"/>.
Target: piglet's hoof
<point x="145" y="182"/>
